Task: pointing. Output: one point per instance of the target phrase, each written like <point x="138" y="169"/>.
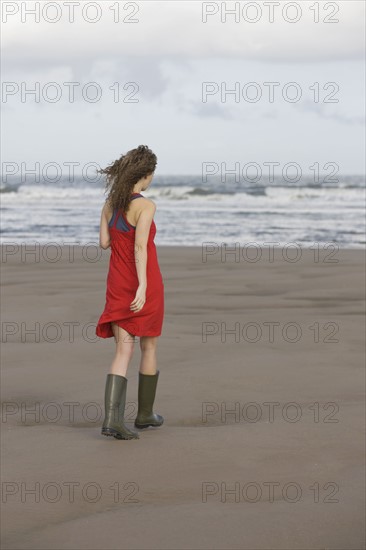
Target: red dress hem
<point x="104" y="330"/>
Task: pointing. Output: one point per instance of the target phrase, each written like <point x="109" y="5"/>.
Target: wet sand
<point x="261" y="387"/>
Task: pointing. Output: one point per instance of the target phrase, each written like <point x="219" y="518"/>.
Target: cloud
<point x="322" y="111"/>
<point x="208" y="110"/>
<point x="175" y="30"/>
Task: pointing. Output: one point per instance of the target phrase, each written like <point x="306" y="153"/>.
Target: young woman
<point x="135" y="289"/>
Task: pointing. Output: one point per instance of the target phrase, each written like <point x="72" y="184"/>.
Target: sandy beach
<point x="261" y="387"/>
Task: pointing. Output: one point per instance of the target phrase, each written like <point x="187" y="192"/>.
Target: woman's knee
<point x="125" y="341"/>
<point x="148" y="343"/>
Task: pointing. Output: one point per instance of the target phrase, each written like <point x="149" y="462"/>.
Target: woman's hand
<point x="140" y="299"/>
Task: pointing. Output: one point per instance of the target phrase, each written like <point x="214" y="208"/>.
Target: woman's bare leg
<point x="124" y="350"/>
<point x="148" y="361"/>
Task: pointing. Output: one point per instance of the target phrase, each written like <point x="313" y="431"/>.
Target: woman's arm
<point x="104" y="236"/>
<point x="141" y="237"/>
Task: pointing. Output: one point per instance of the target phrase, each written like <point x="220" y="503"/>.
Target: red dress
<point x="122" y="283"/>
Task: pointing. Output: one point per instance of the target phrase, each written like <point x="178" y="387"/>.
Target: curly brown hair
<point x="125" y="172"/>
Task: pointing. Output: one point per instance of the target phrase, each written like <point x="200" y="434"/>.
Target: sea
<point x="191" y="211"/>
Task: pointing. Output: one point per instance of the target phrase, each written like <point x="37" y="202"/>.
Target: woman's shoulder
<point x="107" y="208"/>
<point x="144" y="202"/>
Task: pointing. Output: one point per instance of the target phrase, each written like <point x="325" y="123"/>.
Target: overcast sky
<point x="169" y="52"/>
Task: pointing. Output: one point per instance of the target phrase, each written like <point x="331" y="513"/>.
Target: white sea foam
<point x="189" y="212"/>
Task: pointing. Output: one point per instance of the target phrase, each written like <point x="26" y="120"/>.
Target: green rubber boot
<point x="115" y="401"/>
<point x="146" y="397"/>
